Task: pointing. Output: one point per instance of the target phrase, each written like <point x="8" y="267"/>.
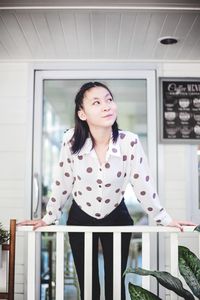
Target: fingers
<point x="35" y="223"/>
<point x="180" y="224"/>
<point x="27" y="222"/>
<point x="40" y="223"/>
<point x="187" y="223"/>
<point x="176" y="224"/>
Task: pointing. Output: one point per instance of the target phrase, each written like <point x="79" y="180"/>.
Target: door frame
<point x="41" y="75"/>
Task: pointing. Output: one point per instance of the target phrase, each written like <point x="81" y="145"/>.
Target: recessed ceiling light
<point x="168" y="40"/>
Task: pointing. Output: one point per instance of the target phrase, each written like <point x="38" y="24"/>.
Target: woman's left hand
<point x="180" y="224"/>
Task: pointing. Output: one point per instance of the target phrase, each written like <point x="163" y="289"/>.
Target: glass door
<point x="58" y="115"/>
<point x="54" y="113"/>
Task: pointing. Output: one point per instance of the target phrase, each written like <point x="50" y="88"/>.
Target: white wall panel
<point x="13" y="137"/>
<point x="14" y="101"/>
<point x="12" y="109"/>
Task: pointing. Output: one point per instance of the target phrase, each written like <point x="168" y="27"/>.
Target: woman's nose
<point x="106" y="106"/>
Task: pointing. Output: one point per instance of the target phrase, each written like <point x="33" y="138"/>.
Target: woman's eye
<point x="96" y="102"/>
<point x="110" y="99"/>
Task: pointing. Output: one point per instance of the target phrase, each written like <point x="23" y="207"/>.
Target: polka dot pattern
<point x="150" y="208"/>
<point x="107" y="184"/>
<point x="122" y="135"/>
<point x="89" y="170"/>
<point x="88" y="188"/>
<point x="132" y="143"/>
<point x="99" y="188"/>
<point x="143" y="193"/>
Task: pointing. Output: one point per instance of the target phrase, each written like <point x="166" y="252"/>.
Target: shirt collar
<point x="113" y="148"/>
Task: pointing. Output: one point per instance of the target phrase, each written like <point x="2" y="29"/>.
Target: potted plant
<point x="4" y="237"/>
<point x="189" y="267"/>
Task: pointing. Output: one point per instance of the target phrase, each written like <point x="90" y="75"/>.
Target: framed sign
<point x="180" y="110"/>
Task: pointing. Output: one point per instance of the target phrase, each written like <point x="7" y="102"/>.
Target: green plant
<point x="4" y="235"/>
<point x="189" y="267"/>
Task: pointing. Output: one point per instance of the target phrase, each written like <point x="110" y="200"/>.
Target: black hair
<point x="81" y="129"/>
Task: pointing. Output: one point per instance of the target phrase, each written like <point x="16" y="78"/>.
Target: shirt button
<point x="100" y="169"/>
<point x="100" y="186"/>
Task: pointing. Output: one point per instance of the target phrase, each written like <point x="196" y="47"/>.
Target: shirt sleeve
<point x="143" y="185"/>
<point x="62" y="184"/>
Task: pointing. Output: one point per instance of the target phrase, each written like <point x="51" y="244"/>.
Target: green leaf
<point x="4" y="235"/>
<point x="197" y="228"/>
<point x="138" y="293"/>
<point x="189" y="267"/>
<point x="167" y="280"/>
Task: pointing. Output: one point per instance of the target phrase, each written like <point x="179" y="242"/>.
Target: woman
<point x="96" y="163"/>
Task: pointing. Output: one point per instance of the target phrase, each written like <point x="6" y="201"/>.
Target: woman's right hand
<point x="35" y="223"/>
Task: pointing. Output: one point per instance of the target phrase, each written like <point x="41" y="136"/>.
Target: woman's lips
<point x="107" y="116"/>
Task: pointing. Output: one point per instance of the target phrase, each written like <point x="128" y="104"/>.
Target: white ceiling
<point x="100" y="30"/>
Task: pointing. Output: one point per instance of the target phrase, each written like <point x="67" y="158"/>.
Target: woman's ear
<point x="82" y="115"/>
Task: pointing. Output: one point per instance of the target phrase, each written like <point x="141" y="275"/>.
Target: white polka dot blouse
<point x="98" y="189"/>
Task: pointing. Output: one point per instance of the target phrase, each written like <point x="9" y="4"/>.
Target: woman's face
<point x="99" y="109"/>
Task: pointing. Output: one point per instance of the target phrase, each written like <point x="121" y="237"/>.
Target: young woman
<point x="97" y="161"/>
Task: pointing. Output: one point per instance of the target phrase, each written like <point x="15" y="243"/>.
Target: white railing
<point x="116" y="230"/>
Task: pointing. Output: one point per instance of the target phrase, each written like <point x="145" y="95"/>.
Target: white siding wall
<point x="14" y="99"/>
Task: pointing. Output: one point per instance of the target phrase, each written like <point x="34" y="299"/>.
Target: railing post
<point x="31" y="295"/>
<point x="60" y="266"/>
<point x="117" y="265"/>
<point x="146" y="258"/>
<point x="174" y="259"/>
<point x="88" y="266"/>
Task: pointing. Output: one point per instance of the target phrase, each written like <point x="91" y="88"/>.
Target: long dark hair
<point x="81" y="129"/>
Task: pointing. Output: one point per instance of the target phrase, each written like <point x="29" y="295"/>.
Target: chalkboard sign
<point x="180" y="109"/>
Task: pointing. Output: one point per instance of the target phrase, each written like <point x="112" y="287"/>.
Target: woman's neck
<point x="101" y="135"/>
